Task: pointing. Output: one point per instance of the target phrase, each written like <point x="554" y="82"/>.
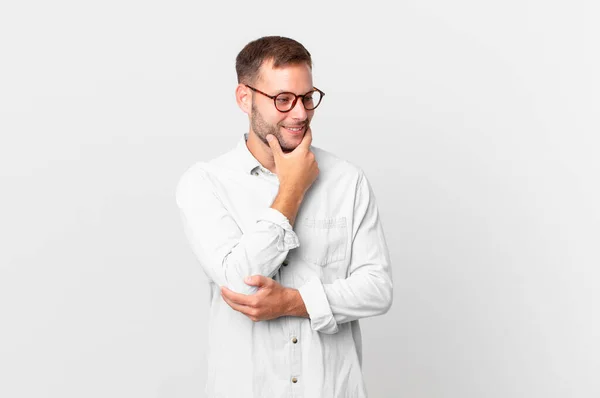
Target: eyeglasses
<point x="285" y="102"/>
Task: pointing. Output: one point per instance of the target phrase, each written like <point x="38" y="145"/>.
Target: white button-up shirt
<point x="336" y="256"/>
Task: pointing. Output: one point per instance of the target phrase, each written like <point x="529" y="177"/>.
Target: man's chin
<point x="285" y="147"/>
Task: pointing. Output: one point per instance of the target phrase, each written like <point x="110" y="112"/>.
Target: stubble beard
<point x="262" y="129"/>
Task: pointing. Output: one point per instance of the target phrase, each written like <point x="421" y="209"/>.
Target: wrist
<point x="291" y="193"/>
<point x="294" y="303"/>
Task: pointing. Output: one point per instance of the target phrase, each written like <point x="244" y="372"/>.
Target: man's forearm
<point x="288" y="203"/>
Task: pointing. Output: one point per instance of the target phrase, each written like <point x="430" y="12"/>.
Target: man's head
<point x="272" y="65"/>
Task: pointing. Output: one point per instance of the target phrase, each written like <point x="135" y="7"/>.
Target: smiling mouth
<point x="295" y="130"/>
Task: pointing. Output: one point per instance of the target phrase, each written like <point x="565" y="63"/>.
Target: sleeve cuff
<point x="317" y="306"/>
<point x="287" y="237"/>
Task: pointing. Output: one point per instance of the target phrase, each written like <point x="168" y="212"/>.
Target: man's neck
<point x="260" y="151"/>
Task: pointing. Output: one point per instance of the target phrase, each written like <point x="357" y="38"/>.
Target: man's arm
<point x="288" y="202"/>
<point x="368" y="290"/>
<point x="225" y="253"/>
<point x="296" y="172"/>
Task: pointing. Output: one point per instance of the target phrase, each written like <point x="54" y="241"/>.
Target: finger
<point x="238" y="298"/>
<point x="307" y="139"/>
<point x="244" y="309"/>
<point x="257" y="280"/>
<point x="274" y="144"/>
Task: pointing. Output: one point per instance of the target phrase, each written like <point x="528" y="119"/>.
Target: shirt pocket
<point x="322" y="240"/>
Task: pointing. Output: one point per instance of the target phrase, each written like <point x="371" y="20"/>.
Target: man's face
<point x="266" y="119"/>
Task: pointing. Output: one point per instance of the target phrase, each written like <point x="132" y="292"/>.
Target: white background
<point x="476" y="122"/>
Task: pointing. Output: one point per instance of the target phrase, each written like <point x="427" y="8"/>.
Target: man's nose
<point x="298" y="111"/>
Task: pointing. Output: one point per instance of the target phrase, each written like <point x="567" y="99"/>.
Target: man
<point x="290" y="239"/>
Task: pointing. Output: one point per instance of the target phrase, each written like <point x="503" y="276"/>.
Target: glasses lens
<point x="312" y="99"/>
<point x="284" y="101"/>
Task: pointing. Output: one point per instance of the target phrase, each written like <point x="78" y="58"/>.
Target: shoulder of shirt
<point x="205" y="171"/>
<point x="335" y="167"/>
<point x="221" y="163"/>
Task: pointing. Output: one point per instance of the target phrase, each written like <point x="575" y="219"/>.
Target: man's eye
<point x="283" y="100"/>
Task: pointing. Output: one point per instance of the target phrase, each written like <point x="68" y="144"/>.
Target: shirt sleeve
<point x="226" y="254"/>
<point x="368" y="289"/>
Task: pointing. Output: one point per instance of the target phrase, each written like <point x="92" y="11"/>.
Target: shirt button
<point x="294" y="380"/>
<point x="285" y="262"/>
<point x="294" y="340"/>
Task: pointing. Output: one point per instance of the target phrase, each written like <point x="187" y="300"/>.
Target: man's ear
<point x="243" y="98"/>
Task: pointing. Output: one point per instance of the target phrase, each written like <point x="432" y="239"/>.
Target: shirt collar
<point x="247" y="160"/>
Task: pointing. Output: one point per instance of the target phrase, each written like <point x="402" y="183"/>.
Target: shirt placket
<point x="293" y="333"/>
<point x="292" y="324"/>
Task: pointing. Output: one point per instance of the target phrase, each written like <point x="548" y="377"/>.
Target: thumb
<point x="274" y="144"/>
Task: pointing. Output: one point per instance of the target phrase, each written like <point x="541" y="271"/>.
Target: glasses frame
<point x="274" y="98"/>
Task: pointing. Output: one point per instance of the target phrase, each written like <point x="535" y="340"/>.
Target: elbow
<point x="386" y="295"/>
<point x="388" y="298"/>
<point x="233" y="278"/>
<point x="235" y="282"/>
<point x="237" y="285"/>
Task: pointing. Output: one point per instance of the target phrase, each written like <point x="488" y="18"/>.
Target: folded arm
<point x="368" y="289"/>
<point x="226" y="254"/>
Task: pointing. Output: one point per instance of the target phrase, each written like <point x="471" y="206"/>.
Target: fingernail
<point x="269" y="138"/>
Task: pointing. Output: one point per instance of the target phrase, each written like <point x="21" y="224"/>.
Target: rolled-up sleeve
<point x="368" y="289"/>
<point x="226" y="254"/>
<point x="318" y="307"/>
